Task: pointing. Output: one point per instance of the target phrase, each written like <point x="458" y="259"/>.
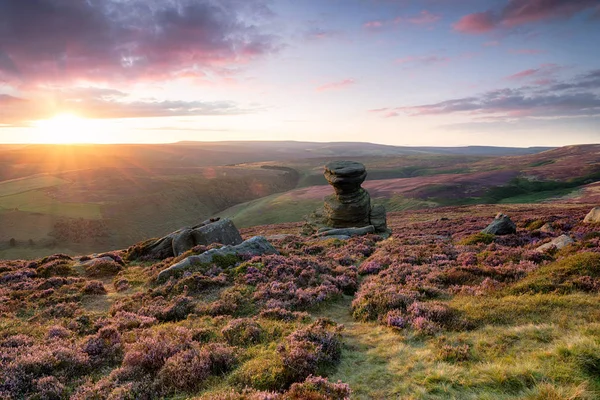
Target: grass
<point x="274" y="209"/>
<point x="17" y="186"/>
<point x="528" y="347"/>
<point x="38" y="202"/>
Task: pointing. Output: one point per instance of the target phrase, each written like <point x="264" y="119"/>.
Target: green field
<point x="38" y="202"/>
<point x="16" y="186"/>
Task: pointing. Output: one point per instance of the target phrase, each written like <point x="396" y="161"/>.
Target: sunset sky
<point x="402" y="72"/>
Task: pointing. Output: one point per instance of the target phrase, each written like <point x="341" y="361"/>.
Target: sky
<point x="401" y="72"/>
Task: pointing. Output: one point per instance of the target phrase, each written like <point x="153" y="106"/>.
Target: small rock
<point x="348" y="231"/>
<point x="547" y="228"/>
<point x="593" y="216"/>
<point x="501" y="225"/>
<point x="559" y="243"/>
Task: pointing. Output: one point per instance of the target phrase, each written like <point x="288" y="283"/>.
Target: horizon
<point x="423" y="73"/>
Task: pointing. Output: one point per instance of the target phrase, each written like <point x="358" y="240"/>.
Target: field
<point x="434" y="312"/>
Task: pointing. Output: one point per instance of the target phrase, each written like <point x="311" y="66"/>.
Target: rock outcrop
<point x="176" y="243"/>
<point x="501" y="225"/>
<point x="350" y="206"/>
<point x="593" y="217"/>
<point x="255" y="246"/>
<point x="558" y="243"/>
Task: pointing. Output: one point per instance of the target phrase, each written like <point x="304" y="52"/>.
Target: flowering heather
<point x="450" y="305"/>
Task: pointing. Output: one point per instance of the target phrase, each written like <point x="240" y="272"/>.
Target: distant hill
<point x="86" y="198"/>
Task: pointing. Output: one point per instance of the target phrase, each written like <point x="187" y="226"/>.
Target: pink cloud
<point x="544" y="72"/>
<point x="373" y="24"/>
<point x="519" y="12"/>
<point x="476" y="23"/>
<point x="336" y="85"/>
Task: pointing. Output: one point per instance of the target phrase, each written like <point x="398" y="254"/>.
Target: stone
<point x="348" y="231"/>
<point x="558" y="243"/>
<point x="176" y="243"/>
<point x="378" y="218"/>
<point x="350" y="205"/>
<point x="593" y="216"/>
<point x="547" y="228"/>
<point x="501" y="225"/>
<point x="256" y="246"/>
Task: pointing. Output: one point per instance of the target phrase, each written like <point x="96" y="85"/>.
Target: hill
<point x="79" y="199"/>
<point x="437" y="311"/>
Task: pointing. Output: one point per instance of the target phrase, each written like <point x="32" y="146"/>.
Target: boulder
<point x="593" y="216"/>
<point x="255" y="246"/>
<point x="501" y="225"/>
<point x="558" y="243"/>
<point x="176" y="243"/>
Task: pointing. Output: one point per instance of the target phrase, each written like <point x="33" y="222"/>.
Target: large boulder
<point x="176" y="243"/>
<point x="558" y="243"/>
<point x="593" y="216"/>
<point x="501" y="225"/>
<point x="255" y="246"/>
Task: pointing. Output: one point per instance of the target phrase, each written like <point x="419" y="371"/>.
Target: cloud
<point x="552" y="101"/>
<point x="44" y="41"/>
<point x="520" y="12"/>
<point x="336" y="85"/>
<point x="543" y="72"/>
<point x="423" y="60"/>
<point x="99" y="103"/>
<point x="423" y="18"/>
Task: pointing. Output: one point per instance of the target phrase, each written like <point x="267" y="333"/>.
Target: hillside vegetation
<point x="437" y="311"/>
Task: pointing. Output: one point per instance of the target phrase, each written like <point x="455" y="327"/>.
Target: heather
<point x="436" y="311"/>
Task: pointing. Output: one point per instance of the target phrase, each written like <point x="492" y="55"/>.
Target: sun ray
<point x="66" y="128"/>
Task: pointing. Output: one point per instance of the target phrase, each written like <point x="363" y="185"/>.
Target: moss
<point x="477" y="238"/>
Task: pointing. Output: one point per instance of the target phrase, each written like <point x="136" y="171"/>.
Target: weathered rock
<point x="255" y="246"/>
<point x="348" y="231"/>
<point x="558" y="243"/>
<point x="378" y="218"/>
<point x="547" y="228"/>
<point x="593" y="216"/>
<point x="348" y="210"/>
<point x="176" y="243"/>
<point x="345" y="176"/>
<point x="501" y="225"/>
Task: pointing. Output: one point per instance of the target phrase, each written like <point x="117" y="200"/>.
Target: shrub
<point x="184" y="371"/>
<point x="94" y="288"/>
<point x="100" y="267"/>
<point x="318" y="388"/>
<point x="242" y="332"/>
<point x="55" y="268"/>
<point x="105" y="346"/>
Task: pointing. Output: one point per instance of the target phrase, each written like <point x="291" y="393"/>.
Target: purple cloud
<point x="520" y="12"/>
<point x="336" y="85"/>
<point x="554" y="100"/>
<point x="44" y="41"/>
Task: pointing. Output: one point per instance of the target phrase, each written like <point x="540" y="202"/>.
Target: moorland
<point x="437" y="311"/>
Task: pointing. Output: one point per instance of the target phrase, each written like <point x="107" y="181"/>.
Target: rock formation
<point x="501" y="225"/>
<point x="255" y="246"/>
<point x="350" y="205"/>
<point x="176" y="243"/>
<point x="593" y="216"/>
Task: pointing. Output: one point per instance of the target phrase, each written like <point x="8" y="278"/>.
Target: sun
<point x="65" y="128"/>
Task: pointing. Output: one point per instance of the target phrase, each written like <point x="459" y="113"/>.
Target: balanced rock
<point x="350" y="206"/>
<point x="176" y="243"/>
<point x="558" y="243"/>
<point x="501" y="225"/>
<point x="255" y="246"/>
<point x="593" y="216"/>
